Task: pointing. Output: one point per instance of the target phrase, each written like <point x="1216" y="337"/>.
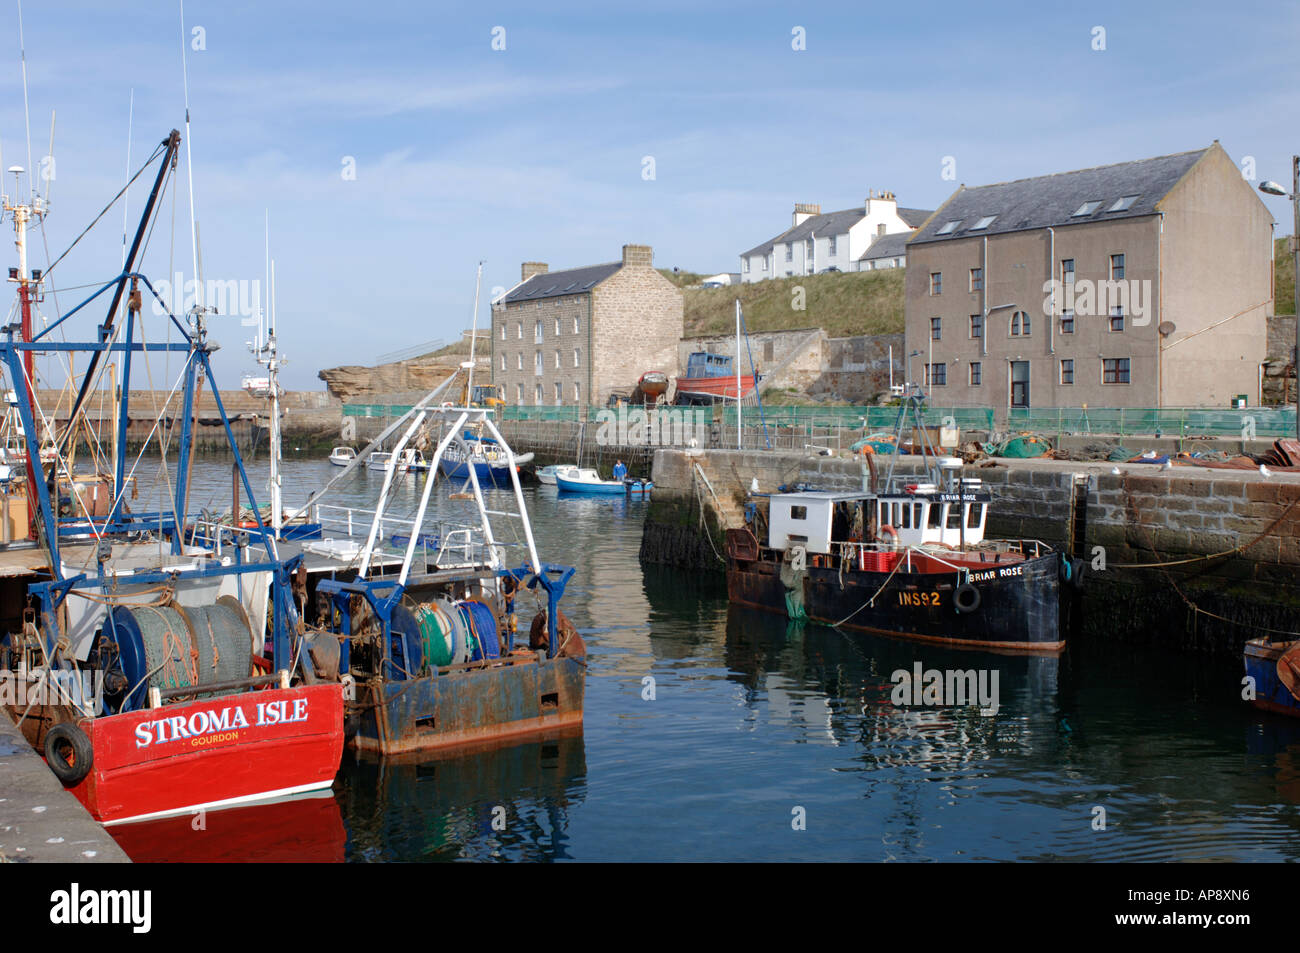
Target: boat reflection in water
<point x="303" y="829"/>
<point x="488" y="804"/>
<point x="840" y="686"/>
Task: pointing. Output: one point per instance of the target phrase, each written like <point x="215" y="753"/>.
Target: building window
<point x="1067" y="271"/>
<point x="577" y="362"/>
<point x="977" y="279"/>
<point x="936" y="375"/>
<point x="537" y="331"/>
<point x="519" y="330"/>
<point x="538" y="396"/>
<point x="1117" y="319"/>
<point x="744" y="265"/>
<point x="976" y="326"/>
<point x="789" y="251"/>
<point x="577" y="393"/>
<point x="936" y="282"/>
<point x="538" y="370"/>
<point x="539" y="306"/>
<point x="1067" y="322"/>
<point x="767" y="262"/>
<point x="830" y="246"/>
<point x="1116" y="267"/>
<point x="559" y="393"/>
<point x="1067" y="372"/>
<point x="1114" y="370"/>
<point x="975" y="374"/>
<point x="503" y="330"/>
<point x="520" y="357"/>
<point x="577" y="323"/>
<point x="519" y="394"/>
<point x="936" y="328"/>
<point x="503" y="362"/>
<point x="1020" y="324"/>
<point x="557" y="325"/>
<point x="557" y="360"/>
<point x="808" y="248"/>
<point x="880" y="230"/>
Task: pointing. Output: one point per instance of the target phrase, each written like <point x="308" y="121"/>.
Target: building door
<point x="1019" y="383"/>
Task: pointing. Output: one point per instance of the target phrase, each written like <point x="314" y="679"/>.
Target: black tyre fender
<point x="68" y="753"/>
<point x="966" y="598"/>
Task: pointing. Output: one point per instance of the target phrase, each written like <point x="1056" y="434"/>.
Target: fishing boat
<point x="491" y="463"/>
<point x="711" y="376"/>
<point x="429" y="641"/>
<point x="1274" y="667"/>
<point x="156" y="675"/>
<point x="911" y="560"/>
<point x="342" y="456"/>
<point x="576" y="480"/>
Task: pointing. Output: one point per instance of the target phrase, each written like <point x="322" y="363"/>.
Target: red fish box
<point x="212" y="753"/>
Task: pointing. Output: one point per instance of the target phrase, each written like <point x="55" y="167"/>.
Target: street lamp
<point x="1272" y="188"/>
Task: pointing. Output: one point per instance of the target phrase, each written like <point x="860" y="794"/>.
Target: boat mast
<point x="273" y="376"/>
<point x="740" y="438"/>
<point x="473" y="340"/>
<point x="22" y="214"/>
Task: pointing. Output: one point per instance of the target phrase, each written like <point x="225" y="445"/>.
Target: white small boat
<point x="342" y="456"/>
<point x="412" y="459"/>
<point x="547" y="475"/>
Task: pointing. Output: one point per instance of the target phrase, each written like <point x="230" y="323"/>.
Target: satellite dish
<point x="1166" y="328"/>
<point x="16" y="169"/>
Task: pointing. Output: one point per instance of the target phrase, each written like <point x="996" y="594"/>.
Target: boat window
<point x="976" y="512"/>
<point x="798" y="512"/>
<point x="916" y="515"/>
<point x="952" y="517"/>
<point x="935" y="520"/>
<point x="907" y="517"/>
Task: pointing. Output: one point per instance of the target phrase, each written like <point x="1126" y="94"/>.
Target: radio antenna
<point x="27" y="113"/>
<point x="189" y="171"/>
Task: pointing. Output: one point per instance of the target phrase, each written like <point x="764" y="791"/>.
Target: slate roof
<point x="571" y="281"/>
<point x="887" y="246"/>
<point x="831" y="223"/>
<point x="1052" y="200"/>
<point x="915" y="216"/>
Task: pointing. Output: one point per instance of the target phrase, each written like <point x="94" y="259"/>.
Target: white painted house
<point x="836" y="241"/>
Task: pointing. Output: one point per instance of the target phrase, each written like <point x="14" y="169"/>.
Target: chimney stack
<point x="642" y="255"/>
<point x="531" y="268"/>
<point x="804" y="211"/>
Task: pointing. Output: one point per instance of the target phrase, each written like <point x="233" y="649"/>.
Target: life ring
<point x="966" y="598"/>
<point x="69" y="753"/>
<point x="892" y="533"/>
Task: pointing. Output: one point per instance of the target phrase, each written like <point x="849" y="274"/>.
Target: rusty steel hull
<point x="1018" y="612"/>
<point x="518" y="697"/>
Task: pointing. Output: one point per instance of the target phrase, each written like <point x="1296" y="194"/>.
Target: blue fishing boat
<point x="575" y="480"/>
<point x="1262" y="666"/>
<point x="490" y="460"/>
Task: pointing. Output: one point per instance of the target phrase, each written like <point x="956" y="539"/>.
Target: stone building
<point x="1142" y="284"/>
<point x="575" y="336"/>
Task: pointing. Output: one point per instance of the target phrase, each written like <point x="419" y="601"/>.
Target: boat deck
<point x="25" y="561"/>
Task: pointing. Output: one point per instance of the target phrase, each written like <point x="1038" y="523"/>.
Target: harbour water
<point x="722" y="734"/>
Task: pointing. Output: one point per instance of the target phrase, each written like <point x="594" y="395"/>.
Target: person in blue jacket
<point x="620" y="471"/>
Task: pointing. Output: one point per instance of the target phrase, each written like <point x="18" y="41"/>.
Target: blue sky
<point x="535" y="152"/>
